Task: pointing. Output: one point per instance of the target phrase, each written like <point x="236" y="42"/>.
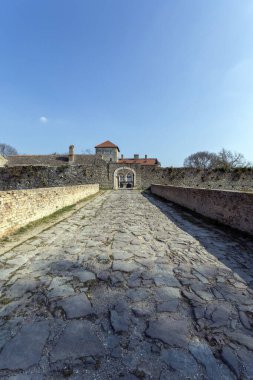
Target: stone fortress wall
<point x="20" y="207"/>
<point x="101" y="172"/>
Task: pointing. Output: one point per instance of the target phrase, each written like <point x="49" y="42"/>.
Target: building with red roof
<point x="109" y="152"/>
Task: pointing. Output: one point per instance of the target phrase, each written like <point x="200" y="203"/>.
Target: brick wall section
<point x="231" y="208"/>
<point x="20" y="207"/>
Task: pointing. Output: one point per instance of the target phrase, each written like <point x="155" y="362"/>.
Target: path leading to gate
<point x="129" y="287"/>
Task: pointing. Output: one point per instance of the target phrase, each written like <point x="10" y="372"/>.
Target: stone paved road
<point x="128" y="288"/>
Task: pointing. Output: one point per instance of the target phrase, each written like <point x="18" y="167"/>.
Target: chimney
<point x="122" y="156"/>
<point x="71" y="153"/>
<point x="136" y="156"/>
<point x="146" y="156"/>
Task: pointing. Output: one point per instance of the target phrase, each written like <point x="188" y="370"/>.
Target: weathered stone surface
<point x="61" y="291"/>
<point x="198" y="290"/>
<point x="241" y="338"/>
<point x="122" y="255"/>
<point x="77" y="341"/>
<point x="119" y="321"/>
<point x="203" y="354"/>
<point x="246" y="360"/>
<point x="125" y="266"/>
<point x="22" y="286"/>
<point x="84" y="276"/>
<point x="168" y="306"/>
<point x="25" y="349"/>
<point x="137" y="294"/>
<point x="230" y="359"/>
<point x="140" y="312"/>
<point x="77" y="306"/>
<point x="171" y="331"/>
<point x="166" y="279"/>
<point x="181" y="362"/>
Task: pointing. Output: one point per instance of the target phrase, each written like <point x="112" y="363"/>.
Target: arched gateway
<point x="124" y="178"/>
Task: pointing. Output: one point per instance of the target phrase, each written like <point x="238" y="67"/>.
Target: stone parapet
<point x="232" y="208"/>
<point x="20" y="207"/>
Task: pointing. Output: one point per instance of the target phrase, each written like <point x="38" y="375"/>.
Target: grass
<point x="47" y="219"/>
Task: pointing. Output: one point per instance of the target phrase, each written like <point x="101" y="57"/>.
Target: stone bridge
<point x="129" y="287"/>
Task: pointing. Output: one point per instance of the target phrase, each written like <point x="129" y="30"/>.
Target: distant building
<point x="104" y="167"/>
<point x="108" y="151"/>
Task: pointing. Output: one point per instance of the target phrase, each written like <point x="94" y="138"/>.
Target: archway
<point x="124" y="178"/>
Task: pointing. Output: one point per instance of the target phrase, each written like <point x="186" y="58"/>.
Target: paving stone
<point x="167" y="279"/>
<point x="241" y="338"/>
<point x="181" y="362"/>
<point x="167" y="293"/>
<point x="171" y="331"/>
<point x="221" y="315"/>
<point x="84" y="276"/>
<point x="62" y="291"/>
<point x="77" y="306"/>
<point x="113" y="341"/>
<point x="25" y="349"/>
<point x="58" y="281"/>
<point x="62" y="266"/>
<point x="125" y="266"/>
<point x="244" y="320"/>
<point x="203" y="354"/>
<point x="119" y="321"/>
<point x="134" y="283"/>
<point x="103" y="275"/>
<point x="246" y="362"/>
<point x="117" y="278"/>
<point x="140" y="312"/>
<point x="169" y="306"/>
<point x="77" y="341"/>
<point x="231" y="360"/>
<point x="136" y="295"/>
<point x="22" y="286"/>
<point x="121" y="255"/>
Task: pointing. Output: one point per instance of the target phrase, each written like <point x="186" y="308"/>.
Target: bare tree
<point x="201" y="160"/>
<point x="88" y="151"/>
<point x="229" y="160"/>
<point x="7" y="150"/>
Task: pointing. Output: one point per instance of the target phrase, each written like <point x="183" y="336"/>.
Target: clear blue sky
<point x="159" y="77"/>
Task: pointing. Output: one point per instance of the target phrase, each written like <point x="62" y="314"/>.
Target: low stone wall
<point x="231" y="208"/>
<point x="20" y="207"/>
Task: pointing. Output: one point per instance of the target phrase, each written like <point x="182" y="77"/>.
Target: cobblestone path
<point x="128" y="288"/>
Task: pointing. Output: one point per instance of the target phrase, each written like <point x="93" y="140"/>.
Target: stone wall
<point x="235" y="179"/>
<point x="30" y="177"/>
<point x="20" y="207"/>
<point x="101" y="172"/>
<point x="231" y="208"/>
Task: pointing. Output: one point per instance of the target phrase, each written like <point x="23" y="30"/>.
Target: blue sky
<point x="163" y="77"/>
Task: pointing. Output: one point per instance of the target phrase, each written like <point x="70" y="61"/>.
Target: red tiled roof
<point x="141" y="161"/>
<point x="107" y="144"/>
